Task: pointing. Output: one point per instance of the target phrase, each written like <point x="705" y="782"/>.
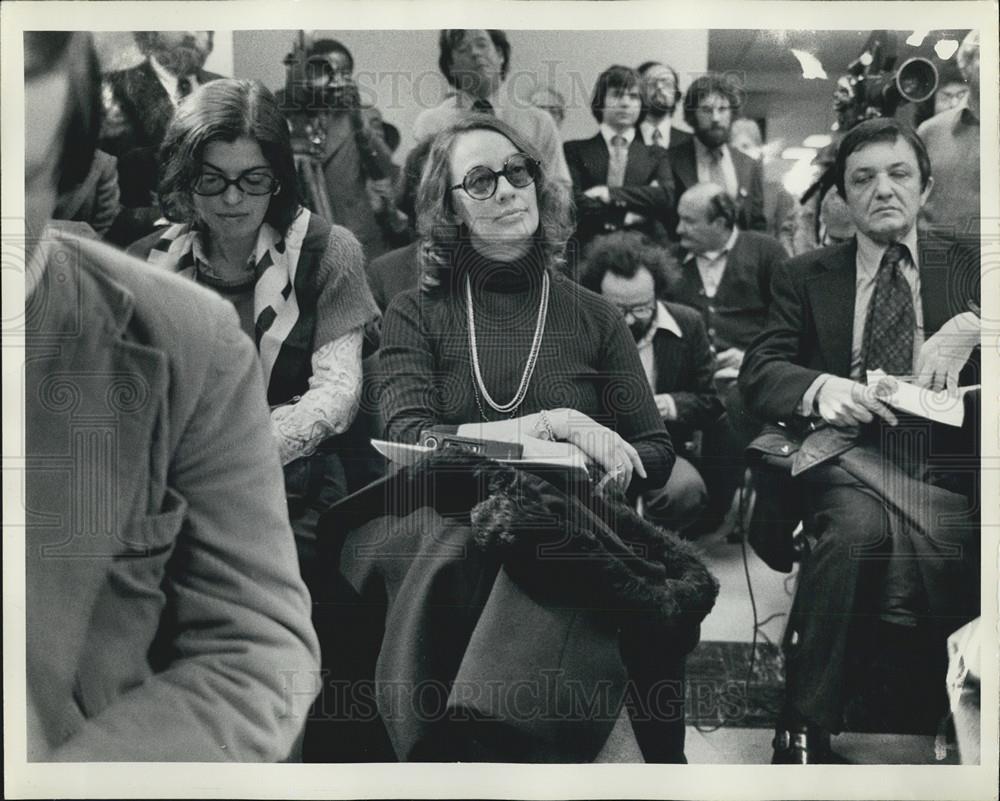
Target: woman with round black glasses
<point x="486" y="577"/>
<point x="228" y="186"/>
<point x="515" y="349"/>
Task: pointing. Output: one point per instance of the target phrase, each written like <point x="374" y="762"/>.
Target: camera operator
<point x="329" y="113"/>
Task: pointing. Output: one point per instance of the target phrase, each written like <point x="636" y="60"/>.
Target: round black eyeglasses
<point x="480" y="183"/>
<point x="251" y="183"/>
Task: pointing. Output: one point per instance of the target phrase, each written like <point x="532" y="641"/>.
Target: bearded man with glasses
<point x="629" y="270"/>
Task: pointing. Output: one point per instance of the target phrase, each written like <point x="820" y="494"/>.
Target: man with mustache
<point x="631" y="272"/>
<point x="661" y="90"/>
<point x="711" y="104"/>
<point x="138" y="104"/>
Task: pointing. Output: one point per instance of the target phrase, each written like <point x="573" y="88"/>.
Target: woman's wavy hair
<point x="223" y="111"/>
<point x="438" y="226"/>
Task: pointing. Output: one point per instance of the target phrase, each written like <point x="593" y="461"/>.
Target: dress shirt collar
<point x="607" y="132"/>
<point x="663" y="126"/>
<point x="169" y="81"/>
<point x="715" y="255"/>
<point x="464" y="100"/>
<point x="665" y="321"/>
<point x="703" y="154"/>
<point x="870" y="252"/>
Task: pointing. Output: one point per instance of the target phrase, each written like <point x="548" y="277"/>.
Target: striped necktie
<point x="617" y="159"/>
<point x="889" y="325"/>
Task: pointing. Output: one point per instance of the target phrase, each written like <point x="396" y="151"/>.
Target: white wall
<point x="397" y="70"/>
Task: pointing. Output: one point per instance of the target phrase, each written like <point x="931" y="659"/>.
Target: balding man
<point x="725" y="275"/>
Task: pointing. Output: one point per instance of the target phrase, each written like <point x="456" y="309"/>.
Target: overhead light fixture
<point x="917" y="38"/>
<point x="945" y="48"/>
<point x="818" y="141"/>
<point x="811" y="68"/>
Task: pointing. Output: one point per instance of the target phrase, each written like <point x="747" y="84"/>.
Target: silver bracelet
<point x="546" y="425"/>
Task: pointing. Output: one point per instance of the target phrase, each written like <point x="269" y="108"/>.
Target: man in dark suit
<point x="138" y="105"/>
<point x="726" y="275"/>
<point x="618" y="181"/>
<point x="896" y="554"/>
<point x="165" y="617"/>
<point x="710" y="106"/>
<point x="661" y="91"/>
<point x="631" y="271"/>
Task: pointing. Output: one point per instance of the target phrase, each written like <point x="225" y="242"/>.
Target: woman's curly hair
<point x="438" y="225"/>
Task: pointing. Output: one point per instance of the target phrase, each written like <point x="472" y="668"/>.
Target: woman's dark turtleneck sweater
<point x="588" y="360"/>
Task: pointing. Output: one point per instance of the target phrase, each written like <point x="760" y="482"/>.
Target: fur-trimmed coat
<point x="494" y="614"/>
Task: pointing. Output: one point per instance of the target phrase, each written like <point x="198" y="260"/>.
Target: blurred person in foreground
<point x="166" y="620"/>
<point x="297" y="283"/>
<point x="472" y="567"/>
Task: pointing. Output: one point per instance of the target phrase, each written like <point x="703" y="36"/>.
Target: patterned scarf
<point x="275" y="306"/>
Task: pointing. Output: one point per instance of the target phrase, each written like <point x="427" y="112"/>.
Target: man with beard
<point x="710" y="106"/>
<point x="475" y="63"/>
<point x="660" y="92"/>
<point x="348" y="136"/>
<point x="138" y="104"/>
<point x="631" y="271"/>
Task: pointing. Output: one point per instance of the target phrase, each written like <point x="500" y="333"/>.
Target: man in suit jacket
<point x="166" y="620"/>
<point x="619" y="182"/>
<point x="883" y="300"/>
<point x="710" y="105"/>
<point x="138" y="105"/>
<point x="352" y="147"/>
<point x="631" y="272"/>
<point x="661" y="91"/>
<point x="726" y="275"/>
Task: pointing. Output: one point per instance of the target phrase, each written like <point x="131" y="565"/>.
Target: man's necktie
<point x="183" y="87"/>
<point x="657" y="137"/>
<point x="483" y="106"/>
<point x="891" y="320"/>
<point x="617" y="159"/>
<point x="716" y="174"/>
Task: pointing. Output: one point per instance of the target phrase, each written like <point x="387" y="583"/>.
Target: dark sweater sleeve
<point x="406" y="363"/>
<point x="630" y="400"/>
<point x="345" y="301"/>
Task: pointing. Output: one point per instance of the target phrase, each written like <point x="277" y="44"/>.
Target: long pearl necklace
<point x="529" y="368"/>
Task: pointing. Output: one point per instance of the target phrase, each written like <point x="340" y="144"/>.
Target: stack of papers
<point x="941" y="407"/>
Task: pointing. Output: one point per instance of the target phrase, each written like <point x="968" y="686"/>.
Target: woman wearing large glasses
<point x="228" y="185"/>
<point x="487" y="577"/>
